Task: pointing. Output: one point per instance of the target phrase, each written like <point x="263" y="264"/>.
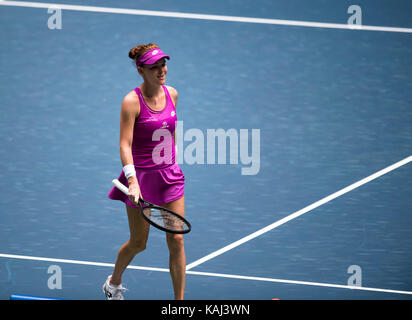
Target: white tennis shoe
<point x="113" y="292"/>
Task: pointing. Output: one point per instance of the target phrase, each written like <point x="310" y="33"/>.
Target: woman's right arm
<point x="129" y="111"/>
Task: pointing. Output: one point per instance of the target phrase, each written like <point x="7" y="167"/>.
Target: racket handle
<point x="120" y="186"/>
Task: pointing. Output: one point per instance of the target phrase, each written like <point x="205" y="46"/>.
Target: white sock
<point x="111" y="285"/>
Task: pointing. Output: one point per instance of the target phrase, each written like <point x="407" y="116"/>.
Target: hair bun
<point x="133" y="53"/>
<point x="137" y="51"/>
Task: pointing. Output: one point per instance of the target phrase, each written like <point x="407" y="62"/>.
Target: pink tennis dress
<point x="160" y="178"/>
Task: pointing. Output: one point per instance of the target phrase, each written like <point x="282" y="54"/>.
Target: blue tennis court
<point x="326" y="211"/>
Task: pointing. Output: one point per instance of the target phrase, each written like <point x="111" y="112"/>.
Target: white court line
<point x="88" y="263"/>
<point x="207" y="274"/>
<point x="197" y="16"/>
<point x="307" y="283"/>
<point x="299" y="213"/>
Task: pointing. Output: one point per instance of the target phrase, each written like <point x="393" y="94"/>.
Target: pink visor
<point x="151" y="56"/>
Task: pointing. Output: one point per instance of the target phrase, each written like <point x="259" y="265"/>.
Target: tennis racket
<point x="159" y="217"/>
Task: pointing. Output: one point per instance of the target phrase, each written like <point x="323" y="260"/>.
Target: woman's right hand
<point x="134" y="193"/>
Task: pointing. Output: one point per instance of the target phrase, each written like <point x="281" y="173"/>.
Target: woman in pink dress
<point x="147" y="151"/>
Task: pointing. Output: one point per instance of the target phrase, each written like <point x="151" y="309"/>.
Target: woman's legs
<point x="177" y="257"/>
<point x="139" y="232"/>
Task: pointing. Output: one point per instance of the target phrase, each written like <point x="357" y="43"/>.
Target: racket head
<point x="164" y="219"/>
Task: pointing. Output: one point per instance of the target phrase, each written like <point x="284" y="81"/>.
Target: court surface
<point x="330" y="202"/>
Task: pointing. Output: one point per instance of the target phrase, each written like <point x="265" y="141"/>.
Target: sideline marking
<point x="207" y="274"/>
<point x="88" y="263"/>
<point x="182" y="15"/>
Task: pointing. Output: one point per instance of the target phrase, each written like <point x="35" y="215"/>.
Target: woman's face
<point x="154" y="73"/>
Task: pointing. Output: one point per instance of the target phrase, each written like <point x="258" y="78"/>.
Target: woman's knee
<point x="137" y="246"/>
<point x="175" y="242"/>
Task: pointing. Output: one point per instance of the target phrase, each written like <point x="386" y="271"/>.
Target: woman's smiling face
<point x="154" y="73"/>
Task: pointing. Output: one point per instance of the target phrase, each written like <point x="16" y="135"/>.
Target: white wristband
<point x="129" y="171"/>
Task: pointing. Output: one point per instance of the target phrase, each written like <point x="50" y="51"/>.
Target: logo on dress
<point x="165" y="125"/>
<point x="150" y="119"/>
<point x="172" y="113"/>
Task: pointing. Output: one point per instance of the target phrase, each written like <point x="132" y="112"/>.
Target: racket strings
<point x="164" y="219"/>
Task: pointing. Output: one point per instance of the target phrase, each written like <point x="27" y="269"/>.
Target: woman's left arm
<point x="173" y="95"/>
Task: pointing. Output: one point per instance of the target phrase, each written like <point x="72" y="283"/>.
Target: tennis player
<point x="146" y="111"/>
